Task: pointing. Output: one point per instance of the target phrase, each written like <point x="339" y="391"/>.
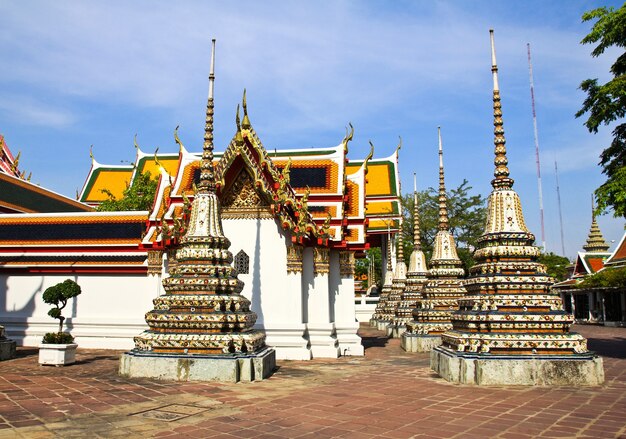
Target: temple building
<point x="416" y="277"/>
<point x="296" y="219"/>
<point x="605" y="306"/>
<point x="511" y="329"/>
<point x="444" y="287"/>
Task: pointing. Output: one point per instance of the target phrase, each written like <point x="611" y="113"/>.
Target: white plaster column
<point x="591" y="306"/>
<point x="342" y="283"/>
<point x="320" y="327"/>
<point x="285" y="329"/>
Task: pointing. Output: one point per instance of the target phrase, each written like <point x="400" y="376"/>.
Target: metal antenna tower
<point x="532" y="99"/>
<point x="558" y="198"/>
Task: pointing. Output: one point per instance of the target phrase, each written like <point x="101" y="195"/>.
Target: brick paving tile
<point x="388" y="393"/>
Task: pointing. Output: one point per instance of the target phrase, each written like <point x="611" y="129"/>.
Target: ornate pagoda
<point x="377" y="318"/>
<point x="398" y="284"/>
<point x="201" y="328"/>
<point x="511" y="329"/>
<point x="416" y="276"/>
<point x="444" y="287"/>
<point x="595" y="240"/>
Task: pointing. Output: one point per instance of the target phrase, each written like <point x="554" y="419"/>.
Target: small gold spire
<point x="389" y="268"/>
<point x="444" y="223"/>
<point x="417" y="241"/>
<point x="238" y="136"/>
<point x="501" y="172"/>
<point x="246" y="121"/>
<point x="93" y="160"/>
<point x="181" y="147"/>
<point x="207" y="176"/>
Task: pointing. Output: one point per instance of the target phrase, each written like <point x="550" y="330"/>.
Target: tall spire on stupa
<point x="595" y="240"/>
<point x="511" y="328"/>
<point x="202" y="316"/>
<point x="416" y="275"/>
<point x="431" y="316"/>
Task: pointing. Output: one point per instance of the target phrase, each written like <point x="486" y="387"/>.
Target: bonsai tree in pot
<point x="58" y="348"/>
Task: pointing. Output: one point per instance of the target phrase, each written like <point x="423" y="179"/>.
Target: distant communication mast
<point x="558" y="199"/>
<point x="532" y="99"/>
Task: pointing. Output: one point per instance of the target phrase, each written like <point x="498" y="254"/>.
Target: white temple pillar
<point x="591" y="307"/>
<point x="320" y="327"/>
<point x="285" y="329"/>
<point x="346" y="324"/>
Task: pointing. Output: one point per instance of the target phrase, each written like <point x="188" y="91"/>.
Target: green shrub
<point x="57" y="338"/>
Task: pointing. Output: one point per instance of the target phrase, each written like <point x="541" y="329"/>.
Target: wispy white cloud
<point x="29" y="111"/>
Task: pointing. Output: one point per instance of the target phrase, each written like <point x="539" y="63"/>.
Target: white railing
<point x="365" y="307"/>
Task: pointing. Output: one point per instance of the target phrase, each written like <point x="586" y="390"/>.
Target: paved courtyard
<point x="387" y="394"/>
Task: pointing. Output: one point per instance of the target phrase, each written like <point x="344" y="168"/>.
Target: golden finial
<point x="244" y="104"/>
<point x="397" y="151"/>
<point x="16" y="162"/>
<point x="238" y="135"/>
<point x="501" y="172"/>
<point x="135" y="142"/>
<point x="348" y="138"/>
<point x="30" y="174"/>
<point x="369" y="156"/>
<point x="93" y="160"/>
<point x="207" y="176"/>
<point x="181" y="147"/>
<point x="443" y="200"/>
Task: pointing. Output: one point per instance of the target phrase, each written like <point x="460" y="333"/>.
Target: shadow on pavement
<point x="373" y="341"/>
<point x="612" y="347"/>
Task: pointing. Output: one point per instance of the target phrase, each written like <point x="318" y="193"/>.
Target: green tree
<point x="137" y="196"/>
<point x="556" y="265"/>
<point x="467" y="214"/>
<point x="607" y="278"/>
<point x="606" y="103"/>
<point x="58" y="295"/>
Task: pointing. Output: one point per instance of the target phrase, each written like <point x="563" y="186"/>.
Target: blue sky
<point x="97" y="72"/>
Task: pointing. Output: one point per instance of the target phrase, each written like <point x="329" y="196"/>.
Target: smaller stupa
<point x="416" y="277"/>
<point x="444" y="287"/>
<point x="377" y="318"/>
<point x="398" y="284"/>
<point x="201" y="328"/>
<point x="595" y="241"/>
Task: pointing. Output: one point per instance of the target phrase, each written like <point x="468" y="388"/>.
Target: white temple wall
<point x="276" y="296"/>
<point x="107" y="314"/>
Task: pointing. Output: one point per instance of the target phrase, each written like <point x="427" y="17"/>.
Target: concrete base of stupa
<point x="227" y="368"/>
<point x="418" y="342"/>
<point x="381" y="325"/>
<point x="7" y="349"/>
<point x="522" y="370"/>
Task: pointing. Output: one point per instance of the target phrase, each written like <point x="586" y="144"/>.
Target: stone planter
<point x="57" y="354"/>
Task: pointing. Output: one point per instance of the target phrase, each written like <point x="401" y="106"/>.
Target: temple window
<point x="242" y="262"/>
